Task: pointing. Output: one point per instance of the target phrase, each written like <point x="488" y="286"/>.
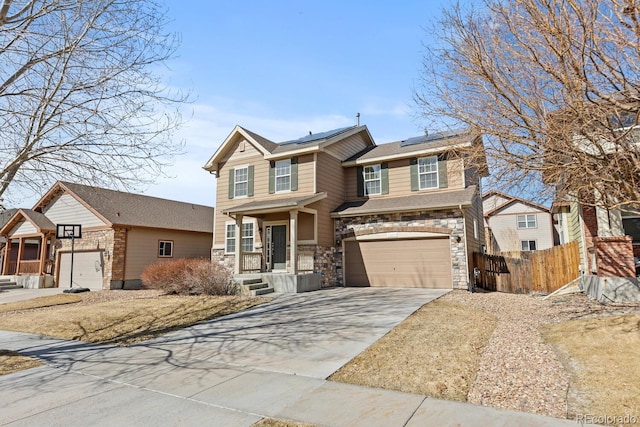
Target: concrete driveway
<point x="310" y="334"/>
<point x="269" y="361"/>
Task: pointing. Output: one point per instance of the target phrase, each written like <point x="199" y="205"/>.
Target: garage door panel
<point x="424" y="263"/>
<point x="88" y="270"/>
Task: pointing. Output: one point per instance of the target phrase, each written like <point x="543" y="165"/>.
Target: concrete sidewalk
<point x="13" y="295"/>
<point x="202" y="376"/>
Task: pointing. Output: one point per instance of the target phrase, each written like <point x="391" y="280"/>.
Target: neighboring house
<point x="608" y="239"/>
<point x="515" y="224"/>
<point x="122" y="233"/>
<point x="348" y="211"/>
<point x="5" y="215"/>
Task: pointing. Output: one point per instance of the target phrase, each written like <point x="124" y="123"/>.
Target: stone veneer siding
<point x="450" y="221"/>
<point x="325" y="262"/>
<point x="91" y="241"/>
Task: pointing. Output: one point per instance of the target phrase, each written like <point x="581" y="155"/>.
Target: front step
<point x="254" y="287"/>
<point x="5" y="286"/>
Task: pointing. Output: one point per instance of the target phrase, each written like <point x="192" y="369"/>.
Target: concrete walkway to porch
<point x="269" y="361"/>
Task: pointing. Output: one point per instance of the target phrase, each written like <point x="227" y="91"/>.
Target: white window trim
<point x="276" y="176"/>
<point x="526" y="221"/>
<point x="426" y="173"/>
<point x="160" y="242"/>
<point x="365" y="180"/>
<point x="235" y="182"/>
<point x="226" y="226"/>
<point x="535" y="242"/>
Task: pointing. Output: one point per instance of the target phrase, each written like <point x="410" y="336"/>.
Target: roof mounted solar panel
<point x="316" y="136"/>
<point x="429" y="137"/>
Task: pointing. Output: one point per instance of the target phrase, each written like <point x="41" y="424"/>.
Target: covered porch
<point x="29" y="238"/>
<point x="287" y="232"/>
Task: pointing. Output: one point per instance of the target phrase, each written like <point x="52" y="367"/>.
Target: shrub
<point x="189" y="277"/>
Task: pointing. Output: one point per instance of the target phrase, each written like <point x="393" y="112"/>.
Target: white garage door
<point x="410" y="263"/>
<point x="88" y="270"/>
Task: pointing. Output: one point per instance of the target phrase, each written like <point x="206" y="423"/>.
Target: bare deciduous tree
<point x="553" y="84"/>
<point x="81" y="96"/>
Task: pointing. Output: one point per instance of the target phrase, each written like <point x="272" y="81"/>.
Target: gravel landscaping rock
<point x="517" y="369"/>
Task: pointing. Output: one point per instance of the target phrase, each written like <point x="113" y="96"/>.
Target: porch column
<point x="238" y="267"/>
<point x="20" y="250"/>
<point x="7" y="250"/>
<point x="293" y="241"/>
<point x="43" y="253"/>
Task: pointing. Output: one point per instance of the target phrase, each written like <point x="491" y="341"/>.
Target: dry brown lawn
<point x="124" y="322"/>
<point x="40" y="302"/>
<point x="10" y="362"/>
<point x="601" y="355"/>
<point x="434" y="352"/>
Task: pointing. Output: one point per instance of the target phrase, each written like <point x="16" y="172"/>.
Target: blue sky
<point x="284" y="68"/>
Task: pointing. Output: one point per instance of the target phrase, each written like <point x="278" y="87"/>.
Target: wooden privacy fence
<point x="538" y="271"/>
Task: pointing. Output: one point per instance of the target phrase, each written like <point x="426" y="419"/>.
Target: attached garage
<point x="88" y="270"/>
<point x="403" y="263"/>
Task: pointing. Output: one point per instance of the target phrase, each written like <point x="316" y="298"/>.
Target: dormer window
<point x="283" y="175"/>
<point x="428" y="172"/>
<point x="372" y="180"/>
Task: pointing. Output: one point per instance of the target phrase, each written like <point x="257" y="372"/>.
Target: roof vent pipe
<point x="357" y="119"/>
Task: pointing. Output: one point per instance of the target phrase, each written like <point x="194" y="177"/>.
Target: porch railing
<point x="28" y="267"/>
<point x="252" y="262"/>
<point x="11" y="268"/>
<point x="305" y="261"/>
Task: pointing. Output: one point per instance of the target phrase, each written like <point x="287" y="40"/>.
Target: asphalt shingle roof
<point x="399" y="147"/>
<point x="123" y="208"/>
<point x="425" y="201"/>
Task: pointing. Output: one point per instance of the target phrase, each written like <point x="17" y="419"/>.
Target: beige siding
<point x="331" y="180"/>
<point x="67" y="210"/>
<point x="240" y="156"/>
<point x="142" y="248"/>
<point x="306" y="226"/>
<point x="508" y="236"/>
<point x="400" y="179"/>
<point x="347" y="147"/>
<point x="492" y="202"/>
<point x="24" y="227"/>
<point x="474" y="229"/>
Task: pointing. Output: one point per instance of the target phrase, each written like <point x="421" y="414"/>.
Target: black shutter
<point x="360" y="181"/>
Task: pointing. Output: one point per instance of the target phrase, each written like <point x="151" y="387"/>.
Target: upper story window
<point x="241" y="182"/>
<point x="527" y="221"/>
<point x="623" y="120"/>
<point x="165" y="248"/>
<point x="247" y="238"/>
<point x="428" y="172"/>
<point x="283" y="175"/>
<point x="372" y="180"/>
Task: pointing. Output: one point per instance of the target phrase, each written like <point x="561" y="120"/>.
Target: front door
<point x="277" y="241"/>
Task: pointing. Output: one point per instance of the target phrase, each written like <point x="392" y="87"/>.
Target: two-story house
<point x="336" y="207"/>
<point x="515" y="224"/>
